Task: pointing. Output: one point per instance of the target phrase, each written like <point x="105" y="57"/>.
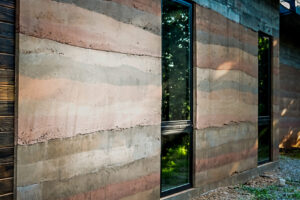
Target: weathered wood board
<point x="7" y="96"/>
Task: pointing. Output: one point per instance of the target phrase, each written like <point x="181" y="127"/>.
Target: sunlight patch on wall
<point x="285" y="139"/>
<point x="297" y="145"/>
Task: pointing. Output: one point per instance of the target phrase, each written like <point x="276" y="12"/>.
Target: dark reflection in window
<point x="264" y="98"/>
<point x="264" y="75"/>
<point x="175" y="160"/>
<point x="264" y="143"/>
<point x="176" y="62"/>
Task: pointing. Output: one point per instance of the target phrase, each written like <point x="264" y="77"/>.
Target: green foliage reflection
<point x="175" y="61"/>
<point x="175" y="160"/>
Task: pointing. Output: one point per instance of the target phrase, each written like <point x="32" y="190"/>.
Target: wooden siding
<point x="7" y="91"/>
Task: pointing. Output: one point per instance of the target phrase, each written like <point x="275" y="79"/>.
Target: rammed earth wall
<point x="89" y="99"/>
<point x="227" y="87"/>
<point x="289" y="82"/>
<point x="89" y="96"/>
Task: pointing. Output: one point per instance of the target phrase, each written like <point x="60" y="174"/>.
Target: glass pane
<point x="176" y="62"/>
<point x="175" y="162"/>
<point x="264" y="138"/>
<point x="263" y="76"/>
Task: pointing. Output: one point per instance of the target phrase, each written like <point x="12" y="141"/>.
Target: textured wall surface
<point x="227" y="87"/>
<point x="89" y="95"/>
<point x="89" y="99"/>
<point x="289" y="83"/>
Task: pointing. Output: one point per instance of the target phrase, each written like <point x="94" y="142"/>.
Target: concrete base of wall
<point x="232" y="180"/>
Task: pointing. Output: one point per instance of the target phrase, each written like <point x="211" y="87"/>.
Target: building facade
<point x="289" y="122"/>
<point x="82" y="95"/>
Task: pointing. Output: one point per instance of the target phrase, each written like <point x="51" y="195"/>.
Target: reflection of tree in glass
<point x="264" y="97"/>
<point x="263" y="61"/>
<point x="175" y="62"/>
<point x="175" y="160"/>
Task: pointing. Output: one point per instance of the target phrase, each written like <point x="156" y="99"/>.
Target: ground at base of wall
<point x="293" y="153"/>
<point x="282" y="183"/>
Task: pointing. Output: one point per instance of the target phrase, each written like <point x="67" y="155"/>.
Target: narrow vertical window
<point x="176" y="96"/>
<point x="264" y="98"/>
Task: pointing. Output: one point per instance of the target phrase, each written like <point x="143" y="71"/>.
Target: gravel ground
<point x="279" y="184"/>
<point x="290" y="168"/>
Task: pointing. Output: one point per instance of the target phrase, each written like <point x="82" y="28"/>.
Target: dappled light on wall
<point x="281" y="145"/>
<point x="227" y="65"/>
<point x="275" y="122"/>
<point x="283" y="112"/>
<point x="275" y="43"/>
<point x="292" y="139"/>
<point x="297" y="144"/>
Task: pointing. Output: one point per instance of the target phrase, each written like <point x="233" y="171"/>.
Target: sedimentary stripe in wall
<point x="89" y="100"/>
<point x="67" y="90"/>
<point x="235" y="24"/>
<point x="226" y="71"/>
<point x="227" y="97"/>
<point x="256" y="15"/>
<point x="89" y="25"/>
<point x="224" y="151"/>
<point x="108" y="164"/>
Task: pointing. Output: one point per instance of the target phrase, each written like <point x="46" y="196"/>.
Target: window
<point x="264" y="98"/>
<point x="176" y="128"/>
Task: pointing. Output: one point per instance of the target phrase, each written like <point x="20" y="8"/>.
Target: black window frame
<point x="266" y="120"/>
<point x="183" y="126"/>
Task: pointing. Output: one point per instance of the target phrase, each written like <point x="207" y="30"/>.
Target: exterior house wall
<point x="227" y="87"/>
<point x="226" y="139"/>
<point x="89" y="99"/>
<point x="289" y="87"/>
<point x="89" y="95"/>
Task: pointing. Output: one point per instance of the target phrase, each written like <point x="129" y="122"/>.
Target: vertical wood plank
<point x="7" y="82"/>
<point x="7" y="14"/>
<point x="7" y="108"/>
<point x="7" y="93"/>
<point x="6" y="124"/>
<point x="6" y="140"/>
<point x="6" y="185"/>
<point x="8" y="3"/>
<point x="7" y="30"/>
<point x="7" y="46"/>
<point x="7" y="61"/>
<point x="6" y="170"/>
<point x="6" y="155"/>
<point x="7" y="77"/>
<point x="8" y="196"/>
